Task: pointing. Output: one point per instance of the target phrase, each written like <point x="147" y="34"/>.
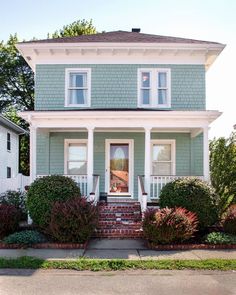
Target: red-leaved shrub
<point x="168" y="225"/>
<point x="229" y="222"/>
<point x="9" y="219"/>
<point x="73" y="221"/>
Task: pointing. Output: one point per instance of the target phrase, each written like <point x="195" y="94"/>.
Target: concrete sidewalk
<point x="123" y="249"/>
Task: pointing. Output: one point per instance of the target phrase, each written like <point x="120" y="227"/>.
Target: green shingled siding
<point x="50" y="152"/>
<point x="115" y="86"/>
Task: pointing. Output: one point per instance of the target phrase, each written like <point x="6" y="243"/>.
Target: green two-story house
<point x="120" y="112"/>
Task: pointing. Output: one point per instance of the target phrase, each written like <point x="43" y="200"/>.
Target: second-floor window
<point x="154" y="88"/>
<point x="8" y="141"/>
<point x="78" y="87"/>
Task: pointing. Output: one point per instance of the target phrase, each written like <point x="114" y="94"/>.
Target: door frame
<point x="130" y="142"/>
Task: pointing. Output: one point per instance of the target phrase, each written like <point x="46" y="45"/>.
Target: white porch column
<point x="206" y="154"/>
<point x="90" y="159"/>
<point x="33" y="135"/>
<point x="147" y="164"/>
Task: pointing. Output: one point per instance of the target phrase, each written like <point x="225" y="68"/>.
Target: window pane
<point x="161" y="168"/>
<point x="78" y="80"/>
<point x="77" y="152"/>
<point x="145" y="95"/>
<point x="77" y="96"/>
<point x="77" y="168"/>
<point x="162" y="96"/>
<point x="161" y="152"/>
<point x="8" y="172"/>
<point x="145" y="79"/>
<point x="162" y="80"/>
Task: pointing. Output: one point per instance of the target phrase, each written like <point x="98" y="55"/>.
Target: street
<point x="164" y="282"/>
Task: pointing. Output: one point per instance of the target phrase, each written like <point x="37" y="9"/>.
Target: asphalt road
<point x="62" y="282"/>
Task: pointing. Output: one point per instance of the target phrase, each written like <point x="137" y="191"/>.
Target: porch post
<point x="90" y="160"/>
<point x="206" y="154"/>
<point x="33" y="135"/>
<point x="147" y="168"/>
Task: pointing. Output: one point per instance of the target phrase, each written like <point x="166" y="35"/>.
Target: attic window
<point x="78" y="87"/>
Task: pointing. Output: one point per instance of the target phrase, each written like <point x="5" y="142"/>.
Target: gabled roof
<point x="121" y="37"/>
<point x="9" y="124"/>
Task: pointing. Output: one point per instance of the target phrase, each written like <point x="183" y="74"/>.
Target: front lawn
<point x="117" y="264"/>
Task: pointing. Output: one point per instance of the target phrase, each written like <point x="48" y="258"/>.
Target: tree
<point x="16" y="78"/>
<point x="80" y="27"/>
<point x="223" y="169"/>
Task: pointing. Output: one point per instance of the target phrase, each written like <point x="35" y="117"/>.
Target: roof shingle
<point x="121" y="37"/>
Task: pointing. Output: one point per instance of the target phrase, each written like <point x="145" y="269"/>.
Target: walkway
<point x="123" y="249"/>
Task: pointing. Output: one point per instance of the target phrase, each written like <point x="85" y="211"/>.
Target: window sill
<point x="77" y="106"/>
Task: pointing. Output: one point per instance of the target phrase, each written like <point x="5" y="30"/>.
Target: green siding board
<point x="197" y="155"/>
<point x="115" y="85"/>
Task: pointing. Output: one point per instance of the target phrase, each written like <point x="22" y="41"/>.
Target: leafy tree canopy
<point x="223" y="168"/>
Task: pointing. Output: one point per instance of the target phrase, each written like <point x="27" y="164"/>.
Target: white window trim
<point x="66" y="145"/>
<point x="67" y="75"/>
<point x="154" y="87"/>
<point x="131" y="166"/>
<point x="172" y="142"/>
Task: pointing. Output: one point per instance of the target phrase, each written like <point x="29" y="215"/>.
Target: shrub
<point x="16" y="198"/>
<point x="220" y="238"/>
<point x="229" y="221"/>
<point x="193" y="194"/>
<point x="73" y="221"/>
<point x="167" y="225"/>
<point x="26" y="237"/>
<point x="9" y="219"/>
<point x="44" y="192"/>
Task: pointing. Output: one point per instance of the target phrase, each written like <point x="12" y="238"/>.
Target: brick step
<point x="115" y="215"/>
<point x="120" y="226"/>
<point x="118" y="233"/>
<point x="119" y="209"/>
<point x="119" y="222"/>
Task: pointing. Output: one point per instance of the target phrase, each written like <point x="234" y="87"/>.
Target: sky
<point x="211" y="20"/>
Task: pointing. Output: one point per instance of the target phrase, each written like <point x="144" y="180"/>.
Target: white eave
<point x="120" y="119"/>
<point x="43" y="53"/>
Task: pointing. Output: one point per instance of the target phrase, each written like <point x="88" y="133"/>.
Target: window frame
<point x="9" y="141"/>
<point x="172" y="142"/>
<point x="9" y="170"/>
<point x="68" y="71"/>
<point x="154" y="87"/>
<point x="66" y="154"/>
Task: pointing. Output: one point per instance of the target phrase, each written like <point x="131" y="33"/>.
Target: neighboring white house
<point x="9" y="156"/>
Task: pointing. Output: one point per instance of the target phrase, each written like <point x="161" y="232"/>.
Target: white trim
<point x="154" y="87"/>
<point x="172" y="142"/>
<point x="67" y="76"/>
<point x="66" y="144"/>
<point x="33" y="151"/>
<point x="206" y="154"/>
<point x="130" y="142"/>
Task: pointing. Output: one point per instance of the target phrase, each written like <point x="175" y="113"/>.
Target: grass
<point x="117" y="264"/>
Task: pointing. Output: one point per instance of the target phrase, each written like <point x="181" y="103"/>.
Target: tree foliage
<point x="80" y="27"/>
<point x="223" y="168"/>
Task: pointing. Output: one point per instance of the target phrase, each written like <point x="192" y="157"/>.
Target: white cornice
<point x="49" y="53"/>
<point x="120" y="119"/>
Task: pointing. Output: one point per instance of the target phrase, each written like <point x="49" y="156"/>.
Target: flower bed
<point x="45" y="246"/>
<point x="189" y="247"/>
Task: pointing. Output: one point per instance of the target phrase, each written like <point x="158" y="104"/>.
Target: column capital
<point x="90" y="128"/>
<point x="147" y="128"/>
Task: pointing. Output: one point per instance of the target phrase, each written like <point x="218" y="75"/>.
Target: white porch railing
<point x="94" y="195"/>
<point x="158" y="182"/>
<point x="14" y="184"/>
<point x="142" y="195"/>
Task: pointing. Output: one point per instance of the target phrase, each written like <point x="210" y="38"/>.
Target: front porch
<point x="126" y="154"/>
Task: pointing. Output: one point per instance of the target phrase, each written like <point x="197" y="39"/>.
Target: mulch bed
<point x="45" y="246"/>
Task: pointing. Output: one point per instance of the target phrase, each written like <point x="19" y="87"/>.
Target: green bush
<point x="73" y="221"/>
<point x="44" y="192"/>
<point x="229" y="221"/>
<point x="193" y="194"/>
<point x="17" y="199"/>
<point x="168" y="225"/>
<point x="9" y="219"/>
<point x="217" y="238"/>
<point x="26" y="237"/>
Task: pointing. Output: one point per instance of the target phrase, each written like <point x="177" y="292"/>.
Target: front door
<point x="119" y="167"/>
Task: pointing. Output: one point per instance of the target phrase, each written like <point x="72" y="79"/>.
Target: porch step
<point x="119" y="220"/>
